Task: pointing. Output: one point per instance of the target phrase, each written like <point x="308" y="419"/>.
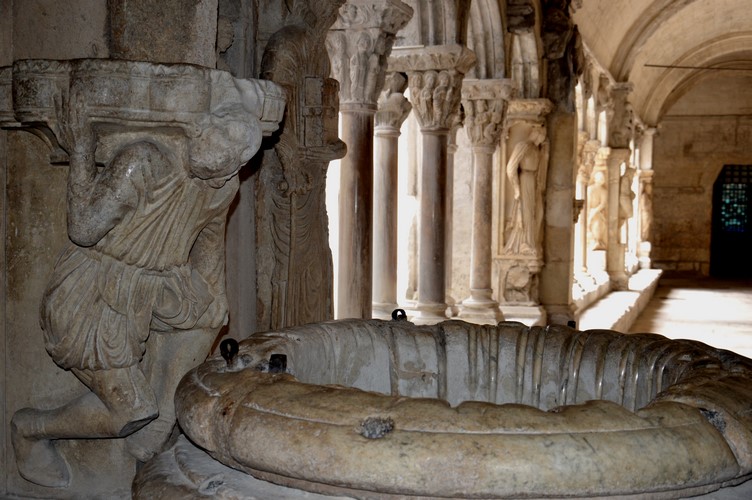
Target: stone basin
<point x="375" y="409"/>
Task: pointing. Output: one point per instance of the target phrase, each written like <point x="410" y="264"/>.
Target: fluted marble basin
<point x="379" y="409"/>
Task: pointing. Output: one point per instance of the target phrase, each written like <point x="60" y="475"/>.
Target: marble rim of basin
<point x="547" y="412"/>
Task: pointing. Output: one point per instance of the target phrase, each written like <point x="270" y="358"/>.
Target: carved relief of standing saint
<point x="526" y="171"/>
<point x="295" y="277"/>
<point x="626" y="195"/>
<point x="597" y="212"/>
<point x="646" y="212"/>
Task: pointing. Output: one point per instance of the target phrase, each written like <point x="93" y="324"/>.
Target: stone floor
<point x="716" y="312"/>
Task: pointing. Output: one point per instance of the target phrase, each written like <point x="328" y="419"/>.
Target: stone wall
<point x="33" y="228"/>
<point x="690" y="152"/>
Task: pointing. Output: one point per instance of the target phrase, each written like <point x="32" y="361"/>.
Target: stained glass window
<point x="734" y="198"/>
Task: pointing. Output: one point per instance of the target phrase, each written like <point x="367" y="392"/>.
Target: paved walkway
<point x="716" y="312"/>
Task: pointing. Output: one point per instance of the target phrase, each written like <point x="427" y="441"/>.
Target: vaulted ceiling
<point x="630" y="37"/>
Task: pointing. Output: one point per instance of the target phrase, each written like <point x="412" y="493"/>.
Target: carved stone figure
<point x="138" y="295"/>
<point x="294" y="264"/>
<point x="597" y="211"/>
<point x="526" y="171"/>
<point x="646" y="211"/>
<point x="626" y="195"/>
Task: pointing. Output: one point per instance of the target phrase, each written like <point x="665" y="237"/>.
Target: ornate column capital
<point x="393" y="106"/>
<point x="435" y="77"/>
<point x="485" y="102"/>
<point x="115" y="97"/>
<point x="620" y="119"/>
<point x="589" y="152"/>
<point x="528" y="110"/>
<point x="359" y="44"/>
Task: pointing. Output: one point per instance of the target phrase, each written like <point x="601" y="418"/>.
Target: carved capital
<point x="587" y="160"/>
<point x="359" y="43"/>
<point x="484" y="102"/>
<point x="620" y="119"/>
<point x="528" y="110"/>
<point x="393" y="106"/>
<point x="113" y="97"/>
<point x="435" y="78"/>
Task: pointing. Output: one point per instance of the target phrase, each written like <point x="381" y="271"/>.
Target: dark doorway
<point x="731" y="241"/>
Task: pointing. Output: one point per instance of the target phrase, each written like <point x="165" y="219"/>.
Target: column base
<point x="430" y="314"/>
<point x="619" y="280"/>
<point x="480" y="308"/>
<point x="643" y="255"/>
<point x="528" y="315"/>
<point x="559" y="314"/>
<point x="383" y="310"/>
<point x="452" y="308"/>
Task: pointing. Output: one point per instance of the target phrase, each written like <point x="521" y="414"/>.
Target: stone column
<point x="435" y="76"/>
<point x="452" y="307"/>
<point x="584" y="176"/>
<point x="526" y="172"/>
<point x="393" y="108"/>
<point x="359" y="44"/>
<point x="619" y="135"/>
<point x="645" y="175"/>
<point x="484" y="102"/>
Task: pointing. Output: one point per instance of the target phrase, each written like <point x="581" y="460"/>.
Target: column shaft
<point x="615" y="264"/>
<point x="480" y="305"/>
<point x="355" y="216"/>
<point x="385" y="218"/>
<point x="432" y="226"/>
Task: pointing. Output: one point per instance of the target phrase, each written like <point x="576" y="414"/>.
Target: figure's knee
<point x="128" y="397"/>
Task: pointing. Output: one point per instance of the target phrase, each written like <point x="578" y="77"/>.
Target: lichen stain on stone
<point x="376" y="427"/>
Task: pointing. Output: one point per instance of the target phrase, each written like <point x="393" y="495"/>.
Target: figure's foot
<point x="38" y="460"/>
<point x="146" y="442"/>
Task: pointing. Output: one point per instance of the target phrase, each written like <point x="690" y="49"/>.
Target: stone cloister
<point x="480" y="160"/>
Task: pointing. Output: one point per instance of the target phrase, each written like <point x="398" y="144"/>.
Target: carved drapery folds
<point x="294" y="265"/>
<point x="146" y="250"/>
<point x="526" y="171"/>
<point x="598" y="202"/>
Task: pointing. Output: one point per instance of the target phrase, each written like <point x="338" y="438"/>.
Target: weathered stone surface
<point x="145" y="260"/>
<point x="560" y="412"/>
<point x="169" y="31"/>
<point x="294" y="279"/>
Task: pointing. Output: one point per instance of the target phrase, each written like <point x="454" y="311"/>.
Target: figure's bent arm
<point x="97" y="200"/>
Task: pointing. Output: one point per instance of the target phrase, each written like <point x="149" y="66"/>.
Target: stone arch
<point x="485" y="36"/>
<point x="720" y="50"/>
<point x="654" y="17"/>
<point x="435" y="23"/>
